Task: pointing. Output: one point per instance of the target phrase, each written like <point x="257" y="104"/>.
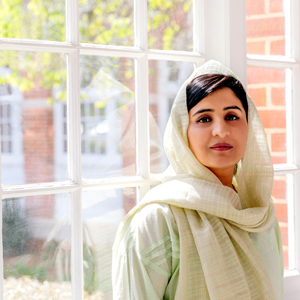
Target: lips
<point x="221" y="147"/>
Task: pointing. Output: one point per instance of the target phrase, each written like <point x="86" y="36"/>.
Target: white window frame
<point x="224" y="40"/>
<point x="15" y="158"/>
<point x="88" y="158"/>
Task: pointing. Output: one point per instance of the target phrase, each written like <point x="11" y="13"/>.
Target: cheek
<point x="195" y="137"/>
<point x="189" y="134"/>
<point x="192" y="137"/>
<point x="243" y="139"/>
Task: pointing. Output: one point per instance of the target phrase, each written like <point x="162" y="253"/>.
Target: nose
<point x="220" y="129"/>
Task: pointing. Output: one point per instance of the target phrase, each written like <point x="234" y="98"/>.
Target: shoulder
<point x="151" y="227"/>
<point x="154" y="218"/>
<point x="155" y="211"/>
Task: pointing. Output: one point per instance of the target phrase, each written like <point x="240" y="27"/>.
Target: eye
<point x="231" y="118"/>
<point x="204" y="120"/>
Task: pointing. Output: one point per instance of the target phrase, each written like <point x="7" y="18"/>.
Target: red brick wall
<point x="265" y="27"/>
<point x="38" y="147"/>
<point x="266" y="36"/>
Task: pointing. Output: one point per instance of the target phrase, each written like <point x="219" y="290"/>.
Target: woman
<point x="209" y="231"/>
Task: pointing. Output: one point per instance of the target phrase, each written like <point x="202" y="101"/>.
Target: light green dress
<point x="147" y="267"/>
<point x="192" y="238"/>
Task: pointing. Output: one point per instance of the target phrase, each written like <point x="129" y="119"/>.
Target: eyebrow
<point x="211" y="110"/>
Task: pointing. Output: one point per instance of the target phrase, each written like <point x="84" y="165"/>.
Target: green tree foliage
<point x="33" y="19"/>
<point x="168" y="24"/>
<point x="15" y="228"/>
<point x="108" y="22"/>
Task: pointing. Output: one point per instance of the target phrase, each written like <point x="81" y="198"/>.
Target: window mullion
<point x="295" y="36"/>
<point x="1" y="237"/>
<point x="224" y="40"/>
<point x="111" y="51"/>
<point x="74" y="147"/>
<point x="198" y="26"/>
<point x="141" y="94"/>
<point x="216" y="38"/>
<point x="175" y="56"/>
<point x="290" y="186"/>
<point x="35" y="46"/>
<point x="282" y="169"/>
<point x="76" y="246"/>
<point x="74" y="160"/>
<point x="268" y="61"/>
<point x="72" y="22"/>
<point x="140" y="24"/>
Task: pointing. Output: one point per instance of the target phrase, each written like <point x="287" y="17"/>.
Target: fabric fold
<point x="217" y="257"/>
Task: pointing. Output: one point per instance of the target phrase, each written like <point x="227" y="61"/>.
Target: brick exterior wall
<point x="266" y="36"/>
<point x="265" y="27"/>
<point x="38" y="147"/>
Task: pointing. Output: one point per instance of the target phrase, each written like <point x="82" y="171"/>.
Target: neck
<point x="225" y="176"/>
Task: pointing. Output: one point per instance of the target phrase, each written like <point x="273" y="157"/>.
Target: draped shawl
<point x="217" y="257"/>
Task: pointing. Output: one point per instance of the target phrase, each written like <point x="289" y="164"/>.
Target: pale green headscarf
<point x="217" y="258"/>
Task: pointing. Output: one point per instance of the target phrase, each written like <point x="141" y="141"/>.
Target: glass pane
<point x="267" y="89"/>
<point x="165" y="79"/>
<point x="265" y="27"/>
<point x="170" y="25"/>
<point x="31" y="86"/>
<point x="106" y="22"/>
<point x="102" y="213"/>
<point x="39" y="20"/>
<point x="37" y="247"/>
<point x="107" y="117"/>
<point x="282" y="196"/>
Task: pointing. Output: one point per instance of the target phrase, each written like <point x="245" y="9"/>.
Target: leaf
<point x="100" y="104"/>
<point x="101" y="21"/>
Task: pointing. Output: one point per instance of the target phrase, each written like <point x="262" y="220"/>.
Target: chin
<point x="219" y="163"/>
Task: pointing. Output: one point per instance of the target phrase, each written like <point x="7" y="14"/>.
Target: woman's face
<point x="217" y="132"/>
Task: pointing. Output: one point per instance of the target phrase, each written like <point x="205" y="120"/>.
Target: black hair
<point x="203" y="85"/>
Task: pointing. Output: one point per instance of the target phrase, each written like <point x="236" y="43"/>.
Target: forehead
<point x="218" y="99"/>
